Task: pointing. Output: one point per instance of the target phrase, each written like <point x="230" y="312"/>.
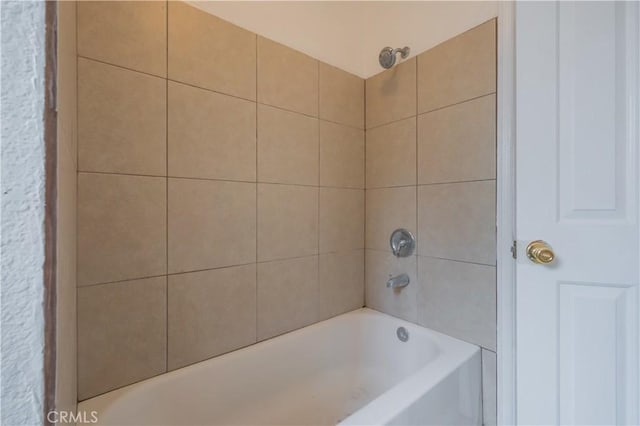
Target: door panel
<point x="593" y="358"/>
<point x="577" y="188"/>
<point x="592" y="107"/>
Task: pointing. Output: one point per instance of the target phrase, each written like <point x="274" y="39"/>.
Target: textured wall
<point x="22" y="241"/>
<point x="220" y="193"/>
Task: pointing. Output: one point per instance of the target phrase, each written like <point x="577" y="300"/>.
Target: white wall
<point x="349" y="35"/>
<point x="22" y="192"/>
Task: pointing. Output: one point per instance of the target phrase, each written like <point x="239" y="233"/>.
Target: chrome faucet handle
<point x="402" y="243"/>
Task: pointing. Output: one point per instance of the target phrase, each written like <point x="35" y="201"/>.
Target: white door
<point x="577" y="121"/>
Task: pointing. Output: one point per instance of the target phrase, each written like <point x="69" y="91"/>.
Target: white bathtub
<point x="349" y="370"/>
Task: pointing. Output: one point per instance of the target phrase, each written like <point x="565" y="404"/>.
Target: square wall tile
<point x="122" y="228"/>
<point x="391" y="154"/>
<point x="341" y="219"/>
<point x="388" y="209"/>
<point x="287" y="295"/>
<point x="341" y="282"/>
<point x="341" y="96"/>
<point x="458" y="299"/>
<point x="210" y="313"/>
<point x="287" y="78"/>
<point x="121" y="334"/>
<point x="459" y="69"/>
<point x="391" y="95"/>
<point x="211" y="224"/>
<point x="130" y="34"/>
<point x="287" y="221"/>
<point x="458" y="143"/>
<point x="341" y="156"/>
<point x="121" y="120"/>
<point x="287" y="147"/>
<point x="379" y="267"/>
<point x="489" y="388"/>
<point x="67" y="104"/>
<point x="457" y="221"/>
<point x="210" y="135"/>
<point x="207" y="52"/>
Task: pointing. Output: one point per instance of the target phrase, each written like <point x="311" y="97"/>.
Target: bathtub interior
<point x="321" y="374"/>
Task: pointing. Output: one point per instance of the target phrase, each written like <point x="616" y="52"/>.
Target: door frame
<point x="506" y="216"/>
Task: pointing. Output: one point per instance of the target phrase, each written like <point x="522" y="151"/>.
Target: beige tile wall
<point x="122" y="333"/>
<point x="220" y="202"/>
<point x="431" y="168"/>
<point x="210" y="312"/>
<point x="196" y="44"/>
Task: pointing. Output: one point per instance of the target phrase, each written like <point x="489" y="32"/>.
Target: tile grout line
<point x="495" y="186"/>
<point x="318" y="284"/>
<point x="256" y="174"/>
<point x="417" y="233"/>
<point x="100" y="61"/>
<point x="222" y="93"/>
<point x="482" y="411"/>
<point x="418" y="114"/>
<point x="463" y="101"/>
<point x="364" y="225"/>
<point x="166" y="366"/>
<point x="237" y="265"/>
<point x="304" y="185"/>
<point x="432" y="184"/>
<point x="378" y="250"/>
<point x="77" y="163"/>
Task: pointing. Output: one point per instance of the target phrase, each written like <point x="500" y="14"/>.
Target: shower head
<point x="387" y="56"/>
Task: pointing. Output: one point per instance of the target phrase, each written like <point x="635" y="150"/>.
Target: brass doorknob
<point x="540" y="252"/>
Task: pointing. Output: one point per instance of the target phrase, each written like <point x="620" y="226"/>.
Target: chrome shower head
<point x="387" y="56"/>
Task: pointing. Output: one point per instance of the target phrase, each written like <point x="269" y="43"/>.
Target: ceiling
<point x="350" y="34"/>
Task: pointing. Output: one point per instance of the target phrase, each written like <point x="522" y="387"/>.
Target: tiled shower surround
<point x="431" y="168"/>
<point x="221" y="192"/>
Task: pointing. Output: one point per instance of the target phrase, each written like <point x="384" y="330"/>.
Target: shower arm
<point x="404" y="51"/>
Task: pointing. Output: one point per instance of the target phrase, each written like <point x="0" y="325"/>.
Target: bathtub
<point x="349" y="370"/>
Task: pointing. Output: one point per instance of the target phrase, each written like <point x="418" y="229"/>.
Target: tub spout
<point x="399" y="281"/>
